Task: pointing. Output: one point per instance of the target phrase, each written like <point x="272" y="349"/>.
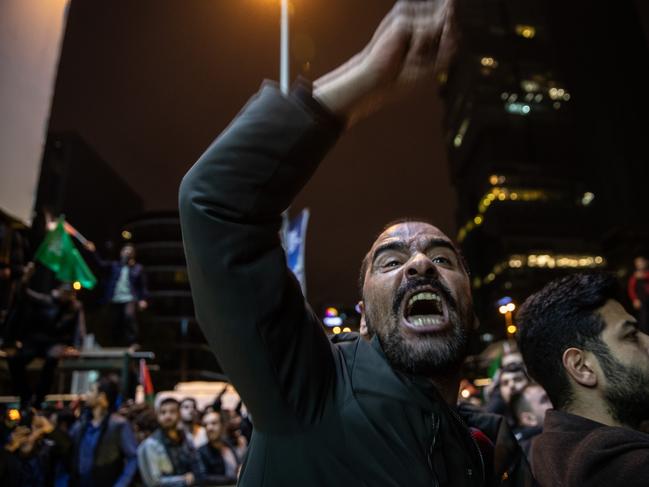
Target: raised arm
<point x="248" y="304"/>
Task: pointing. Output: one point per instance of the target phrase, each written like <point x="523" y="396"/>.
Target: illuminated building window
<point x="517" y="108"/>
<point x="526" y="31"/>
<point x="489" y="62"/>
<point x="542" y="261"/>
<point x="500" y="193"/>
<point x="530" y="86"/>
<point x="459" y="137"/>
<point x="587" y="198"/>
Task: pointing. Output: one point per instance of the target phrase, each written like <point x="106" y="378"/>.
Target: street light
<point x="283" y="48"/>
<point x="507" y="310"/>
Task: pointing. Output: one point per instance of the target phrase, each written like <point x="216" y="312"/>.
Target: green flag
<point x="58" y="253"/>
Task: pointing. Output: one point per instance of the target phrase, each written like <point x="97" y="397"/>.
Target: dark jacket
<point x="112" y="270"/>
<point x="214" y="469"/>
<point x="574" y="451"/>
<point x="325" y="414"/>
<point x="115" y="456"/>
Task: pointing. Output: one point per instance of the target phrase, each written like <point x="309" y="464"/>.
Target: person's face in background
<point x="641" y="263"/>
<point x="127" y="253"/>
<point x="233" y="421"/>
<point x="213" y="426"/>
<point x="511" y="382"/>
<point x="187" y="411"/>
<point x="624" y="365"/>
<point x="95" y="398"/>
<point x="538" y="401"/>
<point x="168" y="416"/>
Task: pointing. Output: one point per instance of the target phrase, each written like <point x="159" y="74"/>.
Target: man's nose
<point x="420" y="265"/>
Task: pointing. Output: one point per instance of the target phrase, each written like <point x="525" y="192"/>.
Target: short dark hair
<point x="560" y="316"/>
<point x="109" y="386"/>
<point x="168" y="400"/>
<point x="366" y="260"/>
<point x="514" y="367"/>
<point x="190" y="399"/>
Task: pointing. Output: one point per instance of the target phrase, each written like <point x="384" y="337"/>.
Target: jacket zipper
<point x="475" y="444"/>
<point x="432" y="448"/>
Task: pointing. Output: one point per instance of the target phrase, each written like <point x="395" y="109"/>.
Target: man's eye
<point x="391" y="263"/>
<point x="633" y="336"/>
<point x="441" y="260"/>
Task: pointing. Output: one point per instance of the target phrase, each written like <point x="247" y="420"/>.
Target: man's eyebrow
<point x="441" y="242"/>
<point x="398" y="245"/>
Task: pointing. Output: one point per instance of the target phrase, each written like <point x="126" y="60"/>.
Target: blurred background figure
<point x="513" y="379"/>
<point x="219" y="461"/>
<point x="528" y="408"/>
<point x="125" y="291"/>
<point x="235" y="425"/>
<point x="167" y="457"/>
<point x="638" y="287"/>
<point x="48" y="326"/>
<point x="33" y="452"/>
<point x="104" y="448"/>
<point x="190" y="422"/>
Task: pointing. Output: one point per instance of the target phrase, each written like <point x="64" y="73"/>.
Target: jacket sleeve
<point x="150" y="460"/>
<point x="249" y="305"/>
<point x="128" y="445"/>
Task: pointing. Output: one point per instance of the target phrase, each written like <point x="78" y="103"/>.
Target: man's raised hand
<point x="410" y="44"/>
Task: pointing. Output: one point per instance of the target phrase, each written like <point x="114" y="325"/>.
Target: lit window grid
<point x="542" y="261"/>
<point x="499" y="194"/>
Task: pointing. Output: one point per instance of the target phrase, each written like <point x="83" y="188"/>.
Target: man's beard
<point x="627" y="394"/>
<point x="426" y="354"/>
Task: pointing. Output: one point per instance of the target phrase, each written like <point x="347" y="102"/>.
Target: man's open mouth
<point x="425" y="310"/>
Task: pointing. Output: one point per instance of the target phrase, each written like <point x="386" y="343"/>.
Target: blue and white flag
<point x="294" y="243"/>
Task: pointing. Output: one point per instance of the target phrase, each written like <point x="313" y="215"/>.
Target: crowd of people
<point x="568" y="405"/>
<point x="43" y="318"/>
<point x="101" y="440"/>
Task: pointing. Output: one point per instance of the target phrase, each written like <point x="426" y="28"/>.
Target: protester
<point x="379" y="412"/>
<point x="35" y="449"/>
<point x="528" y="408"/>
<point x="125" y="291"/>
<point x="167" y="457"/>
<point x="144" y="424"/>
<point x="104" y="452"/>
<point x="586" y="351"/>
<point x="513" y="379"/>
<point x="190" y="422"/>
<point x="219" y="462"/>
<point x="638" y="288"/>
<point x="49" y="326"/>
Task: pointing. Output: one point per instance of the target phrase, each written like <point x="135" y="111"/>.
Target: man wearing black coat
<point x="355" y="412"/>
<point x="104" y="452"/>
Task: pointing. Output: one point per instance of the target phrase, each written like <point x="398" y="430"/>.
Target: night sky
<point x="149" y="84"/>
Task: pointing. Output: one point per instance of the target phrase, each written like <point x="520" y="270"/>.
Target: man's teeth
<point x="424" y="295"/>
<point x="424" y="320"/>
<point x="424" y="314"/>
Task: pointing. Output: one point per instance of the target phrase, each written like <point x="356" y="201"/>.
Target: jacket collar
<point x="372" y="374"/>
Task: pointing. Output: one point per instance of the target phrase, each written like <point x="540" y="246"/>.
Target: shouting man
<point x="373" y="412"/>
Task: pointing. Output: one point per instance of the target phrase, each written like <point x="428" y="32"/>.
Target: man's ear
<point x="579" y="367"/>
<point x="363" y="324"/>
<point x="529" y="419"/>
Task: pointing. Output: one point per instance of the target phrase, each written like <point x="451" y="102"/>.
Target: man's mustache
<point x="434" y="282"/>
